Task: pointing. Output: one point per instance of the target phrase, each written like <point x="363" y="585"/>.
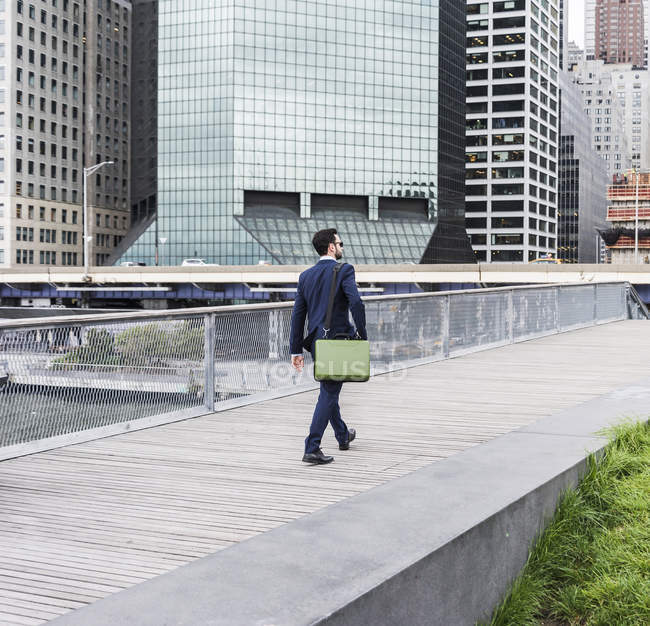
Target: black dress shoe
<point x="351" y="435"/>
<point x="317" y="458"/>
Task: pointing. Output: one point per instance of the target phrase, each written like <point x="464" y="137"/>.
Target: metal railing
<point x="67" y="380"/>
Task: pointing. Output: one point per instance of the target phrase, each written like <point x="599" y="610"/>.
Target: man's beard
<point x="339" y="255"/>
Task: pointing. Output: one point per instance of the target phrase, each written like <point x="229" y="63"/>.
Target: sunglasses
<point x="338" y="243"/>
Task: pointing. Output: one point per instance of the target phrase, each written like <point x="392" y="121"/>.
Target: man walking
<point x="311" y="302"/>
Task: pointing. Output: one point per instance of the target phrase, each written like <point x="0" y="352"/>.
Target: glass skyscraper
<point x="582" y="197"/>
<point x="280" y="117"/>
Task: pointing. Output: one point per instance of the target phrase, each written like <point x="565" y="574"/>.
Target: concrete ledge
<point x="439" y="546"/>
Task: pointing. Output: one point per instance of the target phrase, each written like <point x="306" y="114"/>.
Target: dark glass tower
<point x="277" y="120"/>
<point x="450" y="242"/>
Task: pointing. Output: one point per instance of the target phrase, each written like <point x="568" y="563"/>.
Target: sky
<point x="576" y="21"/>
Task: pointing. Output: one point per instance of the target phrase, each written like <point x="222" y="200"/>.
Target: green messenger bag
<point x="340" y="360"/>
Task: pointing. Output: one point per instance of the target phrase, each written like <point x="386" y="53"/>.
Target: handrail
<point x="639" y="302"/>
<point x="72" y="379"/>
<point x="80" y="320"/>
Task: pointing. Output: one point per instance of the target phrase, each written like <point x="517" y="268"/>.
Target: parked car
<point x="133" y="264"/>
<point x="190" y="262"/>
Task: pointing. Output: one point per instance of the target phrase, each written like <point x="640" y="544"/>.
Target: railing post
<point x="275" y="340"/>
<point x="595" y="312"/>
<point x="511" y="317"/>
<point x="445" y="326"/>
<point x="208" y="359"/>
<point x="557" y="309"/>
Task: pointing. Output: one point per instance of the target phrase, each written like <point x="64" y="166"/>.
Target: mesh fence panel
<point x="252" y="353"/>
<point x="404" y="330"/>
<point x="477" y="320"/>
<point x="576" y="306"/>
<point x="69" y="377"/>
<point x="610" y="302"/>
<point x="534" y="313"/>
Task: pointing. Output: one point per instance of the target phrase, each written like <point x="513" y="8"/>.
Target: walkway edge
<point x="439" y="546"/>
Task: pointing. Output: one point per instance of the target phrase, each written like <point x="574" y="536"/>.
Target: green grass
<point x="592" y="563"/>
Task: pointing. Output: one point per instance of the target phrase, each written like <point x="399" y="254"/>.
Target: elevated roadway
<point x="490" y="273"/>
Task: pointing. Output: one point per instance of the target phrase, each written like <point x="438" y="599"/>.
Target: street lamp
<point x="87" y="238"/>
<point x="163" y="241"/>
<point x="636" y="220"/>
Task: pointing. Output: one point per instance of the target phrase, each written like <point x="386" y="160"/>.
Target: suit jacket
<point x="311" y="303"/>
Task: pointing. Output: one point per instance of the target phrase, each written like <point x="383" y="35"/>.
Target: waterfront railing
<point x="66" y="380"/>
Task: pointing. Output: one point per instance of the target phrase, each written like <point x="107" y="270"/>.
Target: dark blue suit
<point x="311" y="304"/>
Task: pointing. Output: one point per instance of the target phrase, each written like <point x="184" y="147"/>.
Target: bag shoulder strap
<point x="330" y="303"/>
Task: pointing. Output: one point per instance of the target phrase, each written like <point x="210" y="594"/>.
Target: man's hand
<point x="298" y="362"/>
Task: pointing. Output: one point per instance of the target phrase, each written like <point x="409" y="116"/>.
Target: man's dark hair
<point x="322" y="239"/>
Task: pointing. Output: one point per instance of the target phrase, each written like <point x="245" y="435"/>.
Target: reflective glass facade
<point x="302" y="97"/>
<point x="582" y="204"/>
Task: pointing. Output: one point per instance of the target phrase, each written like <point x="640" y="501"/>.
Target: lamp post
<point x="636" y="220"/>
<point x="163" y="241"/>
<point x="87" y="238"/>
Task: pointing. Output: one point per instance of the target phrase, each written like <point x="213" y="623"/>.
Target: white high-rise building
<point x="512" y="128"/>
<point x="633" y="93"/>
<point x="617" y="99"/>
<point x="64" y="89"/>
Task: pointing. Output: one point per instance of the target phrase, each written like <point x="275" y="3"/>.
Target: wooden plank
<point x="8" y="619"/>
<point x="83" y="522"/>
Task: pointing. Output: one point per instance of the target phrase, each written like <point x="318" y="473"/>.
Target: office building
<point x="275" y="121"/>
<point x="64" y="81"/>
<point x="582" y="193"/>
<point x="564" y="35"/>
<point x="617" y="98"/>
<point x="144" y="123"/>
<point x="633" y="93"/>
<point x="601" y="103"/>
<point x="617" y="31"/>
<point x="512" y="127"/>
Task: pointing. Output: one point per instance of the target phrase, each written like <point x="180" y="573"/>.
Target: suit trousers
<point x="326" y="411"/>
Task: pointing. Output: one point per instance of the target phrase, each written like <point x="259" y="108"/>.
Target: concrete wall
<point x="437" y="547"/>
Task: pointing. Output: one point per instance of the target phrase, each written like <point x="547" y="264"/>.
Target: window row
<point x="104" y="240"/>
<point x="54" y="18"/>
<point x="27" y="213"/>
<point x="513" y="189"/>
<point x="54" y="86"/>
<point x="54" y="40"/>
<point x="54" y="171"/>
<point x="42" y="105"/>
<point x="67" y="258"/>
<point x="54" y="61"/>
<point x="54" y="194"/>
<point x="61" y="129"/>
<point x="510" y="206"/>
<point x="54" y="151"/>
<point x="112" y="107"/>
<point x="108" y="220"/>
<point x="510" y="39"/>
<point x="24" y="257"/>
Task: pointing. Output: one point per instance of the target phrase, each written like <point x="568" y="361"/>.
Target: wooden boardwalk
<point x="83" y="522"/>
